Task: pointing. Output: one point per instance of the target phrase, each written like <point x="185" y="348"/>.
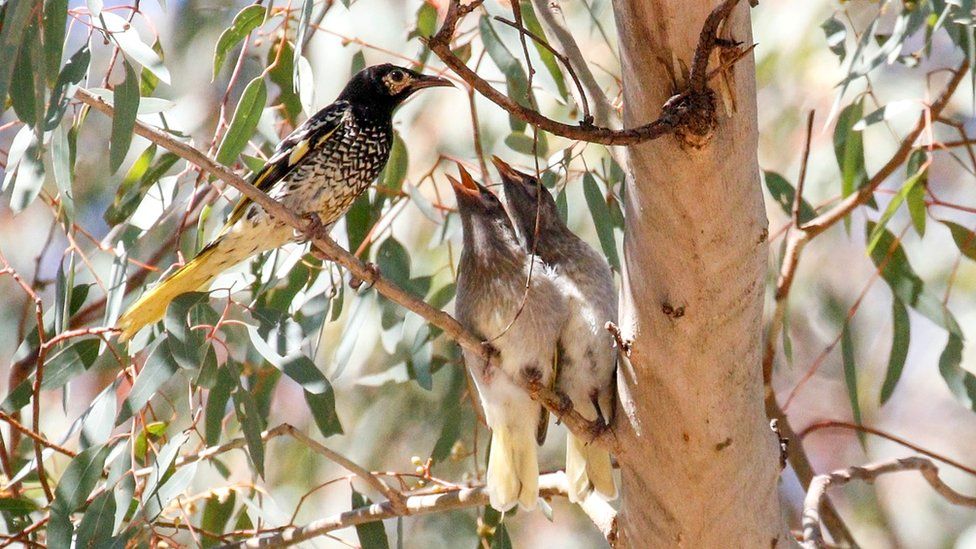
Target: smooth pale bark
<point x="699" y="462"/>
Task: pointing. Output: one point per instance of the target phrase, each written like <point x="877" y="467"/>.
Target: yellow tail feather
<point x="513" y="470"/>
<point x="151" y="307"/>
<point x="588" y="468"/>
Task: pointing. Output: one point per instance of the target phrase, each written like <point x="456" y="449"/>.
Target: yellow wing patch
<point x="298" y="152"/>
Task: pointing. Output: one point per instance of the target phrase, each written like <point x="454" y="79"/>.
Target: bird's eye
<point x="397" y="76"/>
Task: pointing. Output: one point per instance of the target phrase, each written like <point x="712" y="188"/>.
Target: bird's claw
<point x="490" y="353"/>
<point x="313" y="225"/>
<point x="565" y="404"/>
<point x="372" y="275"/>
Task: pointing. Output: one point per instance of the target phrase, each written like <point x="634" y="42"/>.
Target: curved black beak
<point x="422" y="81"/>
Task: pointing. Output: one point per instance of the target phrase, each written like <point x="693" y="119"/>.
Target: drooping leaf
<point x="601" y="219"/>
<point x="896" y="201"/>
<point x="159" y="368"/>
<point x="900" y="338"/>
<point x="68" y="363"/>
<point x="450" y="415"/>
<point x="79" y="479"/>
<point x="27" y="90"/>
<point x="29" y="176"/>
<point x="216" y="513"/>
<point x="515" y="77"/>
<point x="245" y="21"/>
<point x="887" y="111"/>
<point x="784" y="194"/>
<point x="395" y="171"/>
<point x="244" y="122"/>
<point x="371" y="535"/>
<point x="97" y="524"/>
<point x="126" y="99"/>
<point x="63" y="168"/>
<point x="849" y="148"/>
<point x="55" y="20"/>
<point x="850" y="371"/>
<point x="125" y="35"/>
<point x="964" y="238"/>
<point x="17" y="17"/>
<point x="836" y="34"/>
<point x="960" y="381"/>
<point x="531" y="22"/>
<point x="188" y="346"/>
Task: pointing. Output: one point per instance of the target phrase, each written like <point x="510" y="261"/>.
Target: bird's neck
<point x="492" y="245"/>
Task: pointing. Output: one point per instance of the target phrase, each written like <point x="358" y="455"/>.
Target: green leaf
<point x="245" y="21"/>
<point x="548" y="59"/>
<point x="71" y="75"/>
<point x="849" y="150"/>
<point x="126" y="99"/>
<point x="154" y="501"/>
<point x="850" y="371"/>
<point x="27" y="88"/>
<point x="17" y="506"/>
<point x="426" y="21"/>
<point x="515" y="77"/>
<point x="893" y="206"/>
<point x="304" y="18"/>
<point x="30" y="176"/>
<point x="282" y="74"/>
<point x="784" y="194"/>
<point x="16" y="17"/>
<point x="395" y="171"/>
<point x="601" y="219"/>
<point x="900" y="338"/>
<point x="97" y="424"/>
<point x="897" y="272"/>
<point x="964" y="238"/>
<point x="159" y="368"/>
<point x="217" y="406"/>
<point x="519" y="142"/>
<point x="189" y="347"/>
<point x="79" y="480"/>
<point x="216" y="513"/>
<point x="63" y="167"/>
<point x="68" y="363"/>
<point x="249" y="417"/>
<point x="55" y="23"/>
<point x="127" y="38"/>
<point x="394" y="262"/>
<point x="98" y="523"/>
<point x="371" y="535"/>
<point x="450" y="415"/>
<point x="886" y="112"/>
<point x="960" y="382"/>
<point x="245" y="121"/>
<point x="836" y="34"/>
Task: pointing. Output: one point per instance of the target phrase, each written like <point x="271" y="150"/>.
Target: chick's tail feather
<point x="588" y="468"/>
<point x="202" y="269"/>
<point x="513" y="468"/>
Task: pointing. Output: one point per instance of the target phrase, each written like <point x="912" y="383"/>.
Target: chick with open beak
<point x="587" y="359"/>
<point x="522" y="322"/>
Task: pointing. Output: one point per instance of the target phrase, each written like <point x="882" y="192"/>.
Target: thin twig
<point x="813" y="536"/>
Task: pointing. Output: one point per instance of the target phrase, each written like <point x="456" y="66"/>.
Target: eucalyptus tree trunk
<point x="699" y="461"/>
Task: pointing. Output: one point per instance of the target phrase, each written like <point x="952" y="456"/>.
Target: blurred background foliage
<point x="88" y="207"/>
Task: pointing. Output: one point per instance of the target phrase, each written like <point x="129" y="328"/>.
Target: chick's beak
<point x="466" y="189"/>
<point x="427" y="81"/>
<point x="507" y="172"/>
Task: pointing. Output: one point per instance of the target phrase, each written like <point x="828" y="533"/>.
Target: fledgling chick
<point x="587" y="357"/>
<point x="522" y="325"/>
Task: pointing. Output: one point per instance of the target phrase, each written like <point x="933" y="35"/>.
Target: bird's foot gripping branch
<point x="690" y="114"/>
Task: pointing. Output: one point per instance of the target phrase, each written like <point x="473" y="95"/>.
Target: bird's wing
<point x="292" y="150"/>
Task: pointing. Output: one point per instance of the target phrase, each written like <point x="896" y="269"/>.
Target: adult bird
<point x="320" y="169"/>
<point x="587" y="358"/>
<point x="521" y="322"/>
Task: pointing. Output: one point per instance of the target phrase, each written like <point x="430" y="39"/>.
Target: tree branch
<point x="812" y="535"/>
<point x="550" y="485"/>
<point x="320" y="239"/>
<point x="679" y="111"/>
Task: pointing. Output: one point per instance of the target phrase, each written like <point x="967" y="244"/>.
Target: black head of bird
<point x="384" y="87"/>
<point x="529" y="202"/>
<point x="483" y="217"/>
